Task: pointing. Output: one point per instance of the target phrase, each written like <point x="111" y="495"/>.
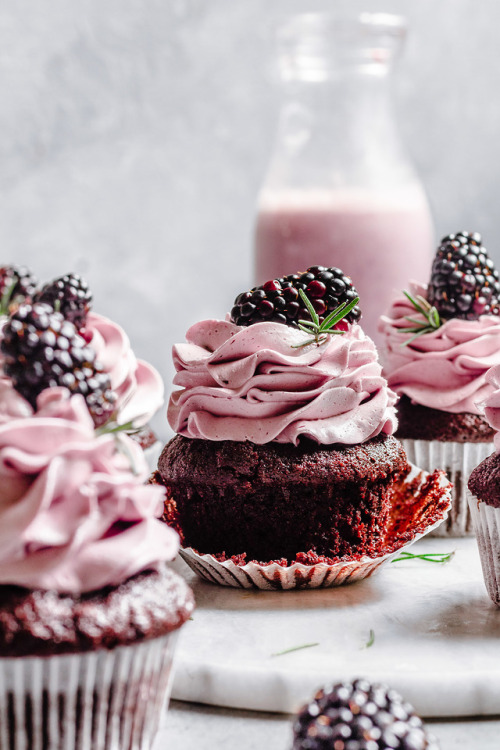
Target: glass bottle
<point x="340" y="189"/>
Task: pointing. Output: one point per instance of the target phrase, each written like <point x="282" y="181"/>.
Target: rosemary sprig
<point x="435" y="557"/>
<point x="294" y="648"/>
<point x="321" y="331"/>
<point x="6" y="298"/>
<point x="111" y="427"/>
<point x="430" y="323"/>
<point x="371" y="639"/>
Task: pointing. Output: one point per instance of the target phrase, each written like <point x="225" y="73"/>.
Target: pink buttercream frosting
<point x="445" y="369"/>
<point x="249" y="383"/>
<point x="137" y="384"/>
<point x="74" y="516"/>
<point x="492" y="404"/>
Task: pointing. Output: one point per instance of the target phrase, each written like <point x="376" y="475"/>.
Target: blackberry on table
<point x="70" y="295"/>
<point x="279" y="301"/>
<point x="360" y="716"/>
<point x="464" y="281"/>
<point x="42" y="350"/>
<point x="17" y="284"/>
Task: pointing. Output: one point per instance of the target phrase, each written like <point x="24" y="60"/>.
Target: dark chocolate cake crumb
<point x="42" y="623"/>
<point x="417" y="422"/>
<point x="484" y="481"/>
<point x="278" y="501"/>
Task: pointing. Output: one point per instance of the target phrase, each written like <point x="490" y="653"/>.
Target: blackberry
<point x="17" y="284"/>
<point x="279" y="301"/>
<point x="41" y="350"/>
<point x="360" y="716"/>
<point x="70" y="295"/>
<point x="464" y="281"/>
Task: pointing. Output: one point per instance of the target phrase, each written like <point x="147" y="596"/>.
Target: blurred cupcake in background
<point x="89" y="612"/>
<point x="133" y="389"/>
<point x="440" y="340"/>
<point x="484" y="496"/>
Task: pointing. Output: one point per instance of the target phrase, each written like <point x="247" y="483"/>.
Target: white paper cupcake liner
<point x="101" y="700"/>
<point x="300" y="576"/>
<point x="486" y="521"/>
<point x="457" y="460"/>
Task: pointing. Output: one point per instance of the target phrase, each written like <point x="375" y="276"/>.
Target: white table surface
<point x="436" y="639"/>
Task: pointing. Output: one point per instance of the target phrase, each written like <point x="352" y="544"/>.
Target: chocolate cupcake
<point x="439" y="342"/>
<point x="484" y="496"/>
<point x="89" y="613"/>
<point x="284" y="448"/>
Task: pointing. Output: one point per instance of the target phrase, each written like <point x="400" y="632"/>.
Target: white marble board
<point x="436" y="638"/>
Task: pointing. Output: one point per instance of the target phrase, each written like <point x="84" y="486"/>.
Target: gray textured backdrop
<point x="134" y="136"/>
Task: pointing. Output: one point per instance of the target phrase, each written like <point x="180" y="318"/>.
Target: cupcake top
<point x="441" y="339"/>
<point x="264" y="376"/>
<point x="133" y="389"/>
<point x="75" y="514"/>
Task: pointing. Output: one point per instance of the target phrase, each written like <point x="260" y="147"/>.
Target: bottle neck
<point x="341" y="126"/>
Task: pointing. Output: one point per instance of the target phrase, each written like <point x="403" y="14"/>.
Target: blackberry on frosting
<point x="69" y="295"/>
<point x="17" y="284"/>
<point x="42" y="350"/>
<point x="464" y="282"/>
<point x="280" y="301"/>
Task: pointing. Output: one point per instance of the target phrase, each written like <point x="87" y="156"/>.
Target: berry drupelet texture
<point x="70" y="295"/>
<point x="464" y="281"/>
<point x="360" y="716"/>
<point x="17" y="284"/>
<point x="279" y="301"/>
<point x="41" y="350"/>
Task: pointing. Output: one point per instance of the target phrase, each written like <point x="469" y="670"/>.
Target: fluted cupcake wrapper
<point x="486" y="522"/>
<point x="100" y="700"/>
<point x="457" y="460"/>
<point x="322" y="575"/>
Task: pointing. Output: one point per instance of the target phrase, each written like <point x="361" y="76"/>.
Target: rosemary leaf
<point x="294" y="648"/>
<point x="435" y="557"/>
<point x="340" y="312"/>
<point x="371" y="639"/>
<point x="307" y="303"/>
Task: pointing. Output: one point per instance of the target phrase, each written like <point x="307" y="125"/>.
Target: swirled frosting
<point x="137" y="384"/>
<point x="73" y="515"/>
<point x="492" y="404"/>
<point x="249" y="383"/>
<point x="445" y="369"/>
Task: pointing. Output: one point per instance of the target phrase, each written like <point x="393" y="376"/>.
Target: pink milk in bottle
<point x="340" y="189"/>
<point x="379" y="240"/>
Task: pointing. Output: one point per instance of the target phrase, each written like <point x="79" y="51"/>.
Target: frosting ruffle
<point x="73" y="515"/>
<point x="137" y="384"/>
<point x="249" y="383"/>
<point x="445" y="369"/>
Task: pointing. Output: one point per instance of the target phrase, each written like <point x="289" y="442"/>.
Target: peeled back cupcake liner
<point x="428" y="509"/>
<point x="100" y="700"/>
<point x="486" y="522"/>
<point x="457" y="460"/>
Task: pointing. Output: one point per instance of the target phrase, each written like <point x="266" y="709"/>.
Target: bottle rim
<point x="312" y="45"/>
